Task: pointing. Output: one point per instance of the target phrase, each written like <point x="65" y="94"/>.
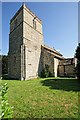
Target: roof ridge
<point x="53" y="49"/>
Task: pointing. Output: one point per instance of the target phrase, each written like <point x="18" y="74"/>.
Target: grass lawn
<point x="44" y="98"/>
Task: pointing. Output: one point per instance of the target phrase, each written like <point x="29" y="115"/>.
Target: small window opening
<point x="34" y="24"/>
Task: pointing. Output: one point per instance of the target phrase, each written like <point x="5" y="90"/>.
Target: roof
<point x="67" y="61"/>
<point x="55" y="52"/>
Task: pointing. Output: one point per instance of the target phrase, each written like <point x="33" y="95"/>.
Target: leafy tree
<point x="4" y="64"/>
<point x="78" y="61"/>
<point x="0" y="66"/>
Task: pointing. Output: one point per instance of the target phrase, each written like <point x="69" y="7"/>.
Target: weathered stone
<point x="66" y="67"/>
<point x="27" y="53"/>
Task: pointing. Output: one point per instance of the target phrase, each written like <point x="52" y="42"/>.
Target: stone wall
<point x="28" y="17"/>
<point x="67" y="67"/>
<point x="52" y="58"/>
<point x="66" y="70"/>
<point x="32" y="39"/>
<point x="24" y="45"/>
<point x="15" y="42"/>
<point x="48" y="59"/>
<point x="56" y="63"/>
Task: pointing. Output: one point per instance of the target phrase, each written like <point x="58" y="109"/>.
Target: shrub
<point x="45" y="72"/>
<point x="6" y="110"/>
<point x="42" y="73"/>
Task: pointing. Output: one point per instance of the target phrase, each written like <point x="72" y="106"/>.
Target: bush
<point x="6" y="110"/>
<point x="45" y="72"/>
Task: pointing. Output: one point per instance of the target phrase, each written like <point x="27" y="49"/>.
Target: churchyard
<point x="44" y="98"/>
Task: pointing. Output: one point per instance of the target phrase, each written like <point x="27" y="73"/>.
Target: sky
<point x="60" y="24"/>
<point x="79" y="22"/>
<point x="0" y="27"/>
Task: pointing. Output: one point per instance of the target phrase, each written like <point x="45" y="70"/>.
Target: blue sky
<point x="60" y="24"/>
<point x="0" y="27"/>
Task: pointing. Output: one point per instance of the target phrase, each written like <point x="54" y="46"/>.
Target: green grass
<point x="44" y="98"/>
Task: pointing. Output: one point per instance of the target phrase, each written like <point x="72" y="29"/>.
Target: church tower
<point x="25" y="40"/>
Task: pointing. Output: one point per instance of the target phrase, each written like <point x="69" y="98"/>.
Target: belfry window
<point x="34" y="24"/>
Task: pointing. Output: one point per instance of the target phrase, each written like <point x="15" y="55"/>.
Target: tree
<point x="78" y="61"/>
<point x="4" y="64"/>
<point x="0" y="66"/>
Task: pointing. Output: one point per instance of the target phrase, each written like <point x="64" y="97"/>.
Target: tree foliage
<point x="4" y="64"/>
<point x="6" y="109"/>
<point x="45" y="72"/>
<point x="78" y="61"/>
<point x="0" y="66"/>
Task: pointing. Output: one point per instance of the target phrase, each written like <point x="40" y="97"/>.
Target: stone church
<point x="28" y="55"/>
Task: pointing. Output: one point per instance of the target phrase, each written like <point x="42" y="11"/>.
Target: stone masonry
<point x="28" y="55"/>
<point x="66" y="67"/>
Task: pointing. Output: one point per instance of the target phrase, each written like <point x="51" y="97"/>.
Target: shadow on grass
<point x="62" y="84"/>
